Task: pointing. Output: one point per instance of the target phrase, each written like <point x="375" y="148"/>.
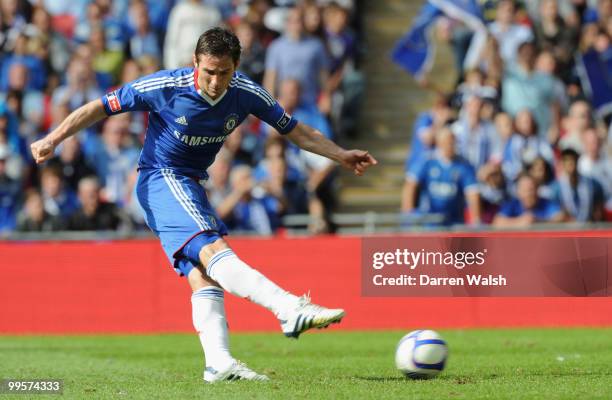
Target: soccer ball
<point x="421" y="354"/>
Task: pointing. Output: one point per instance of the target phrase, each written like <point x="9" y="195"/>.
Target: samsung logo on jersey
<point x="199" y="140"/>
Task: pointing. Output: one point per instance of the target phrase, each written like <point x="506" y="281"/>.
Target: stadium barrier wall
<point x="127" y="286"/>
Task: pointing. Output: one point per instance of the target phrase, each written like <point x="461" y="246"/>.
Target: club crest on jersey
<point x="230" y="123"/>
<point x="211" y="221"/>
<point x="113" y="101"/>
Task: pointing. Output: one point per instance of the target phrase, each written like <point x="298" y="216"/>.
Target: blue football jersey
<point x="186" y="127"/>
<point x="442" y="186"/>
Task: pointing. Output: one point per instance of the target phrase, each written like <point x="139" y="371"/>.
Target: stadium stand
<point x="538" y="88"/>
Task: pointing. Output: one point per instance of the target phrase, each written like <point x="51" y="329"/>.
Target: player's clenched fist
<point x="357" y="160"/>
<point x="42" y="150"/>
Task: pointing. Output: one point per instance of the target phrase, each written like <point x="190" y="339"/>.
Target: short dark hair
<point x="570" y="152"/>
<point x="219" y="42"/>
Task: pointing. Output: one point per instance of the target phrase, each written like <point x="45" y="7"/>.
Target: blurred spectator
<point x="71" y="162"/>
<point x="527" y="208"/>
<point x="9" y="194"/>
<point x="249" y="208"/>
<point x="114" y="157"/>
<point x="246" y="141"/>
<point x="254" y="15"/>
<point x="11" y="24"/>
<point x="80" y="87"/>
<point x="188" y="19"/>
<point x="488" y="60"/>
<point x="130" y="207"/>
<point x="65" y="8"/>
<point x="144" y="41"/>
<point x="504" y="127"/>
<point x="423" y="131"/>
<point x="554" y="35"/>
<point x="581" y="197"/>
<point x="51" y="43"/>
<point x="313" y="19"/>
<point x="525" y="88"/>
<point x="493" y="190"/>
<point x="105" y="61"/>
<point x="103" y="80"/>
<point x="477" y="141"/>
<point x="316" y="171"/>
<point x="275" y="183"/>
<point x="340" y="39"/>
<point x="283" y="179"/>
<point x="227" y="8"/>
<point x="34" y="74"/>
<point x="443" y="184"/>
<point x="159" y="13"/>
<point x="546" y="63"/>
<point x="524" y="146"/>
<point x="94" y="214"/>
<point x="471" y="86"/>
<point x="600" y="13"/>
<point x="253" y="56"/>
<point x="34" y="218"/>
<point x="544" y="176"/>
<point x="595" y="162"/>
<point x="148" y="65"/>
<point x="99" y="17"/>
<point x="297" y="56"/>
<point x="346" y="83"/>
<point x="594" y="66"/>
<point x="217" y="185"/>
<point x="578" y="120"/>
<point x="508" y="34"/>
<point x="58" y="200"/>
<point x="138" y="120"/>
<point x="290" y="98"/>
<point x="11" y="144"/>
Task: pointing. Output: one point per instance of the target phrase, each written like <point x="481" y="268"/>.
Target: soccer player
<point x="191" y="113"/>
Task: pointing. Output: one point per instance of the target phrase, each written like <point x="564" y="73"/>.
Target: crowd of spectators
<point x="526" y="136"/>
<point x="57" y="55"/>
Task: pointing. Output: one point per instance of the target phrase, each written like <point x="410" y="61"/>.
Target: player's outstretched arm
<point x="311" y="140"/>
<point x="81" y="118"/>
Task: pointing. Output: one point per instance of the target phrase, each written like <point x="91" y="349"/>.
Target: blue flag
<point x="595" y="72"/>
<point x="414" y="51"/>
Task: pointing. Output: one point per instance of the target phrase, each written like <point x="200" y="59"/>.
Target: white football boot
<point x="235" y="372"/>
<point x="306" y="316"/>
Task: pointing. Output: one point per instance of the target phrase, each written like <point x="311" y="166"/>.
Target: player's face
<point x="214" y="73"/>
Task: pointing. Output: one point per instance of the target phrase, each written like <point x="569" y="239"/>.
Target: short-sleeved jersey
<point x="186" y="127"/>
<point x="543" y="211"/>
<point x="443" y="185"/>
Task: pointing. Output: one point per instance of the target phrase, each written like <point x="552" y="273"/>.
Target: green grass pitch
<point x="483" y="364"/>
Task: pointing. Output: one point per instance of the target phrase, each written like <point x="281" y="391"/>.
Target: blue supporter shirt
<point x="419" y="150"/>
<point x="186" y="127"/>
<point x="544" y="210"/>
<point x="442" y="186"/>
<point x="303" y="60"/>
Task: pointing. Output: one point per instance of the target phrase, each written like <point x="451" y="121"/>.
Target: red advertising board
<point x="128" y="286"/>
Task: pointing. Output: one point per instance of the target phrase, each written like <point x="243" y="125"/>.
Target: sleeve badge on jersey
<point x="113" y="101"/>
<point x="284" y="120"/>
